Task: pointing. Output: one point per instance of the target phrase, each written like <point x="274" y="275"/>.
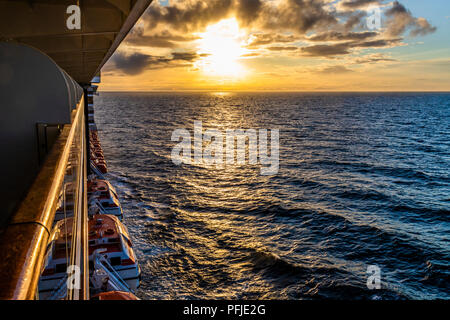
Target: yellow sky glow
<point x="223" y="57"/>
<point x="221" y="48"/>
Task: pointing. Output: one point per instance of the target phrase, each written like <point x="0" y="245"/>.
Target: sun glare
<point x="220" y="48"/>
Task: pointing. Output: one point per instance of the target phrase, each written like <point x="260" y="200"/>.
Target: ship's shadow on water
<point x="363" y="181"/>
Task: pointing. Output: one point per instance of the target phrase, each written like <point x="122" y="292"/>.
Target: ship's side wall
<point x="35" y="97"/>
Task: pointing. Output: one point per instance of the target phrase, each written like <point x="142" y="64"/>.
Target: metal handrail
<point x="23" y="242"/>
<point x="80" y="250"/>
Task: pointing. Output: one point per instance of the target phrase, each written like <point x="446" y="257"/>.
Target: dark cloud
<point x="296" y="16"/>
<point x="329" y="50"/>
<point x="422" y="27"/>
<point x="373" y="58"/>
<point x="137" y="63"/>
<point x="341" y="36"/>
<point x="400" y="19"/>
<point x="163" y="39"/>
<point x="132" y="64"/>
<point x="188" y="15"/>
<point x="358" y="4"/>
<point x="354" y="20"/>
<point x="299" y="16"/>
<point x="185" y="56"/>
<point x="247" y="11"/>
<point x="376" y="43"/>
<point x="336" y="27"/>
<point x="325" y="50"/>
<point x="335" y="70"/>
<point x="260" y="39"/>
<point x="292" y="48"/>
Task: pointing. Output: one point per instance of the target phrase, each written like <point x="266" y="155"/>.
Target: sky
<point x="285" y="45"/>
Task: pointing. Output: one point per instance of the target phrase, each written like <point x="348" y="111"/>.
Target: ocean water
<point x="363" y="180"/>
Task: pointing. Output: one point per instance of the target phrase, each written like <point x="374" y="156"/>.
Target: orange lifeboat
<point x="114" y="295"/>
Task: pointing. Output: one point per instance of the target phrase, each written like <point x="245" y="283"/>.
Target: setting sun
<point x="220" y="48"/>
<point x="268" y="45"/>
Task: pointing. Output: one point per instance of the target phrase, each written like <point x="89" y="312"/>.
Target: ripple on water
<point x="363" y="180"/>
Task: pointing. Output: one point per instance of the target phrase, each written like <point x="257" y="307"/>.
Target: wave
<point x="422" y="212"/>
<point x="361" y="182"/>
<point x="368" y="168"/>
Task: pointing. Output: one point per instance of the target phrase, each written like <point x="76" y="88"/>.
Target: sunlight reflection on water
<point x="363" y="180"/>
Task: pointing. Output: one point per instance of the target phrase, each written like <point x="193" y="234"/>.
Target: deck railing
<point x="24" y="241"/>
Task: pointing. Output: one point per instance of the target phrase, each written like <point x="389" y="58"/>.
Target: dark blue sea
<point x="363" y="180"/>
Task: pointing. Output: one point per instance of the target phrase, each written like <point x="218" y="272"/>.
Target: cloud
<point x="377" y="43"/>
<point x="400" y="19"/>
<point x="330" y="28"/>
<point x="354" y="19"/>
<point x="185" y="56"/>
<point x="358" y="4"/>
<point x="343" y="48"/>
<point x="132" y="64"/>
<point x="422" y="27"/>
<point x="299" y="16"/>
<point x="335" y="70"/>
<point x="340" y="36"/>
<point x="137" y="63"/>
<point x="373" y="58"/>
<point x="188" y="15"/>
<point x="292" y="48"/>
<point x="164" y="39"/>
<point x="247" y="11"/>
<point x="259" y="39"/>
<point x="250" y="55"/>
<point x="324" y="50"/>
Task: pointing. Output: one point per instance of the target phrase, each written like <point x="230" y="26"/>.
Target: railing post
<point x="87" y="100"/>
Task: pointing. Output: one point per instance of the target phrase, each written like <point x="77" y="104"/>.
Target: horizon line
<point x="276" y="91"/>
